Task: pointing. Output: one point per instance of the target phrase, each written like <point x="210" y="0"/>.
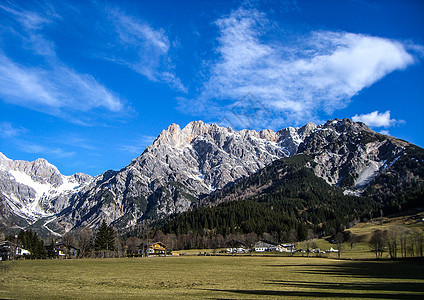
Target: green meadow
<point x="212" y="277"/>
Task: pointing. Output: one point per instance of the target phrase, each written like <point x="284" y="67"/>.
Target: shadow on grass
<point x="391" y="286"/>
<point x="314" y="295"/>
<point x="372" y="269"/>
<point x="367" y="275"/>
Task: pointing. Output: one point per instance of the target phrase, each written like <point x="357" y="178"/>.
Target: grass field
<point x="408" y="221"/>
<point x="211" y="277"/>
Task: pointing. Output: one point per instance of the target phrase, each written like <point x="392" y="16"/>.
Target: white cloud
<point x="32" y="148"/>
<point x="377" y="119"/>
<point x="54" y="89"/>
<point x="52" y="86"/>
<point x="143" y="49"/>
<point x="75" y="141"/>
<point x="295" y="79"/>
<point x="28" y="19"/>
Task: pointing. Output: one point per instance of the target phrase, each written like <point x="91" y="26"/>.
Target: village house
<point x="236" y="247"/>
<point x="6" y="251"/>
<point x="9" y="250"/>
<point x="287" y="247"/>
<point x="65" y="251"/>
<point x="155" y="248"/>
<point x="263" y="246"/>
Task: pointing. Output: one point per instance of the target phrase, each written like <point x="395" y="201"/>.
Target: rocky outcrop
<point x="349" y="154"/>
<point x="33" y="190"/>
<point x="185" y="165"/>
<point x="181" y="166"/>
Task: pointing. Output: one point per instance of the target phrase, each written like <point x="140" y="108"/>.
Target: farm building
<point x="65" y="251"/>
<point x="263" y="246"/>
<point x="156" y="248"/>
<point x="9" y="250"/>
<point x="234" y="246"/>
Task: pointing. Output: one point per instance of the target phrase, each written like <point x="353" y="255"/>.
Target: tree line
<point x="281" y="197"/>
<point x="104" y="243"/>
<point x="398" y="241"/>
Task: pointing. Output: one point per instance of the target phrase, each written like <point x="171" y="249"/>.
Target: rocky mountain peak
<point x="268" y="134"/>
<point x="195" y="129"/>
<point x="307" y="129"/>
<point x="346" y="125"/>
<point x="170" y="136"/>
<point x="36" y="189"/>
<point x="3" y="158"/>
<point x="176" y="137"/>
<point x="184" y="165"/>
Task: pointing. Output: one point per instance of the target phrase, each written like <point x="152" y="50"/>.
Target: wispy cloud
<point x="142" y="48"/>
<point x="138" y="145"/>
<point x="51" y="86"/>
<point x="34" y="148"/>
<point x="8" y="130"/>
<point x="377" y="119"/>
<point x="30" y="20"/>
<point x="295" y="79"/>
<point x="75" y="141"/>
<point x="56" y="89"/>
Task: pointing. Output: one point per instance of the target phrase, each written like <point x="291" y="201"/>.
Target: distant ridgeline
<point x="210" y="180"/>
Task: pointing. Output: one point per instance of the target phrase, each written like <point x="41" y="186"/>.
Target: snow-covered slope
<point x="33" y="190"/>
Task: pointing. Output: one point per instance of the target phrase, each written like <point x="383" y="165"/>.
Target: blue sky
<point x="89" y="84"/>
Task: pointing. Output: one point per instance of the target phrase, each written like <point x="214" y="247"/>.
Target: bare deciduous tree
<point x="309" y="241"/>
<point x="393" y="240"/>
<point x="416" y="242"/>
<point x="338" y="238"/>
<point x="403" y="238"/>
<point x="68" y="239"/>
<point x="84" y="240"/>
<point x="377" y="242"/>
<point x="132" y="244"/>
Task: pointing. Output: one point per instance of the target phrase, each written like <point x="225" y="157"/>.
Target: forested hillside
<point x="284" y="196"/>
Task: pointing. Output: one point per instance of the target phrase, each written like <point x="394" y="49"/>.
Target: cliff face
<point x="349" y="154"/>
<point x="179" y="167"/>
<point x="185" y="165"/>
<point x="34" y="190"/>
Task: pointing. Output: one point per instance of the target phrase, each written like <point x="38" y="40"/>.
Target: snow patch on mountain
<point x="368" y="173"/>
<point x="35" y="190"/>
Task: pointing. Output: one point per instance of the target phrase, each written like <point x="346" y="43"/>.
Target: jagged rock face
<point x="179" y="167"/>
<point x="33" y="190"/>
<point x="183" y="165"/>
<point x="349" y="154"/>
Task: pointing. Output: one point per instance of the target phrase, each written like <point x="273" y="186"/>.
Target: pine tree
<point x="30" y="241"/>
<point x="105" y="238"/>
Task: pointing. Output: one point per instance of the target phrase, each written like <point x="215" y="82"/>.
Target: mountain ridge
<point x="183" y="166"/>
<point x="35" y="190"/>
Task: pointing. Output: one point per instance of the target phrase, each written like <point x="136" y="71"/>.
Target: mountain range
<point x="204" y="165"/>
